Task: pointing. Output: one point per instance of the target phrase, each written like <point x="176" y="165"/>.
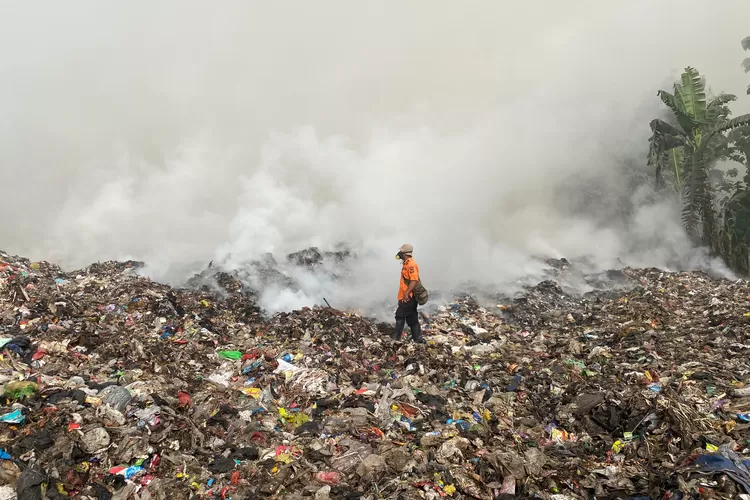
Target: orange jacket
<point x="409" y="271"/>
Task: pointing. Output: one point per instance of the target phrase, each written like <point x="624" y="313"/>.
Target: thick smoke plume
<point x="181" y="132"/>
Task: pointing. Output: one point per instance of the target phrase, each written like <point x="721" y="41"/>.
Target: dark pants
<point x="407" y="314"/>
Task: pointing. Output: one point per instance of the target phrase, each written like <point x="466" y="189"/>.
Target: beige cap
<point x="406" y="248"/>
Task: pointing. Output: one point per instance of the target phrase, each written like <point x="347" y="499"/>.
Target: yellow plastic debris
<point x="253" y="392"/>
<point x="294" y="418"/>
<point x="561" y="435"/>
<point x="617" y="446"/>
<point x="93" y="401"/>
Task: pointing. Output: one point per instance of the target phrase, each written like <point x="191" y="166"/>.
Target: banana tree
<point x="740" y="149"/>
<point x="746" y="62"/>
<point x="689" y="148"/>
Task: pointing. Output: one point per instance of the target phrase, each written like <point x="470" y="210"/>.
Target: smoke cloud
<point x="177" y="132"/>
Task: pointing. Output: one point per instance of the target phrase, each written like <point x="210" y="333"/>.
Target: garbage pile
<point x="116" y="387"/>
<point x="253" y="276"/>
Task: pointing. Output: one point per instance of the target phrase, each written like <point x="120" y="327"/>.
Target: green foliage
<point x="739" y="150"/>
<point x="726" y="126"/>
<point x="664" y="140"/>
<point x="686" y="151"/>
<point x="717" y="110"/>
<point x="734" y="238"/>
<point x="735" y="233"/>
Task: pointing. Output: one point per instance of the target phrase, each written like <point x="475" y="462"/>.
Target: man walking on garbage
<point x="407" y="301"/>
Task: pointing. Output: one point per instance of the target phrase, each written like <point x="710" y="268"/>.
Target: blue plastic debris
<point x="14" y="417"/>
<point x="513" y="386"/>
<point x="717" y="463"/>
<point x="252" y="367"/>
<point x="168" y="331"/>
<point x="463" y="424"/>
<point x="130" y="471"/>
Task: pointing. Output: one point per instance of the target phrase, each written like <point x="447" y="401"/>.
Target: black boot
<point x="397" y="334"/>
<point x="416" y="331"/>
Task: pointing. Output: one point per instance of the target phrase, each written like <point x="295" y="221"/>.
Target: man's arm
<point x="409" y="289"/>
<point x="413" y="275"/>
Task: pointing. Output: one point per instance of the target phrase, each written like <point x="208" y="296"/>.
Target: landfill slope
<point x="117" y="387"/>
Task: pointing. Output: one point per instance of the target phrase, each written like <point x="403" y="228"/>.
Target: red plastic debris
<point x="235" y="480"/>
<point x="185" y="400"/>
<point x="257" y="437"/>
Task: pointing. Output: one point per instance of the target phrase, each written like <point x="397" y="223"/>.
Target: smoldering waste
<point x="117" y="387"/>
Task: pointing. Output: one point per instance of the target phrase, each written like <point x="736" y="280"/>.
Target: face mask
<point x="399" y="256"/>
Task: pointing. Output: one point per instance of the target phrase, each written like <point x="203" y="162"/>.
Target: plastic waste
<point x="116" y="396"/>
<point x="14" y="417"/>
<point x="8" y="492"/>
<point x="149" y="416"/>
<point x="551" y="396"/>
<point x="371" y="468"/>
<point x="95" y="440"/>
<point x="31" y="484"/>
<point x="184" y="398"/>
<point x="126" y="472"/>
<point x="20" y="389"/>
<point x="328" y="477"/>
<point x="733" y="467"/>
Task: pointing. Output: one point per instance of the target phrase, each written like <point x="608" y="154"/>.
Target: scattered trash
<point x="235" y="355"/>
<point x="95" y="440"/>
<point x="726" y="462"/>
<point x="114" y="386"/>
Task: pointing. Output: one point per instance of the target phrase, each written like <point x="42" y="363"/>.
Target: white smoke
<point x="176" y="133"/>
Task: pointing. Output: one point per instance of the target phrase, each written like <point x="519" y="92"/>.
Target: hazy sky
<point x="176" y="131"/>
